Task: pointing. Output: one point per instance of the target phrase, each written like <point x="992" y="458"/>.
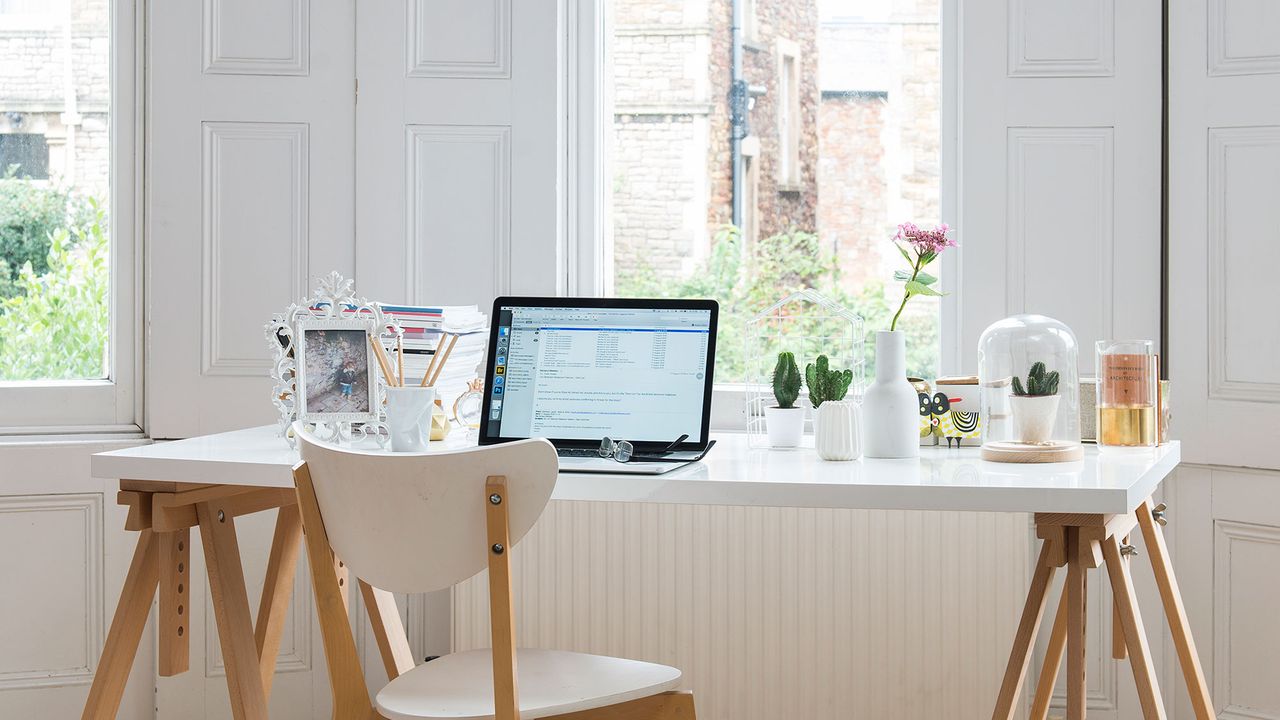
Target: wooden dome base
<point x="1013" y="452"/>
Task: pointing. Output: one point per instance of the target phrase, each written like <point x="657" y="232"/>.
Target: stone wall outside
<point x="32" y="90"/>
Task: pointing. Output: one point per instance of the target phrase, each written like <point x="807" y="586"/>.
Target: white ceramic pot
<point x="891" y="407"/>
<point x="835" y="435"/>
<point x="1034" y="417"/>
<point x="784" y="426"/>
<point x="409" y="417"/>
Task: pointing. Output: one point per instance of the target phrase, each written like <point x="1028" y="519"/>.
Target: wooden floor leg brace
<point x="1081" y="542"/>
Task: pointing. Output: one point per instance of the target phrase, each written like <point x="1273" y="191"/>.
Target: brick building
<point x="843" y="120"/>
<point x="672" y="158"/>
<point x="879" y="129"/>
<point x="55" y="91"/>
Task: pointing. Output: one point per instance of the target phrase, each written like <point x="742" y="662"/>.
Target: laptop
<point x="579" y="370"/>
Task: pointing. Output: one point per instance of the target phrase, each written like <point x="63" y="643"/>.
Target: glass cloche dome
<point x="1028" y="373"/>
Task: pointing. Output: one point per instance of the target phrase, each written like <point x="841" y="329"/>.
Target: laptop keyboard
<point x="578" y="452"/>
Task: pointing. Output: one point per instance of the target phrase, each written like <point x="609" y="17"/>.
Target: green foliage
<point x="824" y="383"/>
<point x="786" y="380"/>
<point x="30" y="213"/>
<point x="747" y="280"/>
<point x="1038" y="383"/>
<point x="55" y="327"/>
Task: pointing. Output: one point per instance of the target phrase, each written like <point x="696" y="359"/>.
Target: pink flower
<point x="925" y="242"/>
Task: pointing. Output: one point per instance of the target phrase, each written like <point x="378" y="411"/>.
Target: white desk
<point x="1084" y="511"/>
<point x="733" y="474"/>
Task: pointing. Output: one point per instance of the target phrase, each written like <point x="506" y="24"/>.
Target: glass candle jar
<point x="1127" y="387"/>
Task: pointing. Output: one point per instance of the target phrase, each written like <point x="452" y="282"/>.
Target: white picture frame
<point x="332" y="301"/>
<point x="327" y="349"/>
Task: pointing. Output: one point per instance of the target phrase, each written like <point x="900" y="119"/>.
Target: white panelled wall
<point x="1224" y="337"/>
<point x="265" y="169"/>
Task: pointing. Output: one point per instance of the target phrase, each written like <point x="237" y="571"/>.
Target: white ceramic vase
<point x="891" y="407"/>
<point x="836" y="430"/>
<point x="784" y="426"/>
<point x="409" y="417"/>
<point x="1034" y="417"/>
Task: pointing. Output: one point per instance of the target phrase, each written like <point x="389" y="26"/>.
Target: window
<point x="789" y="122"/>
<point x="25" y="155"/>
<point x="750" y="25"/>
<point x="840" y="125"/>
<point x="27" y="14"/>
<point x="751" y="192"/>
<point x="65" y="218"/>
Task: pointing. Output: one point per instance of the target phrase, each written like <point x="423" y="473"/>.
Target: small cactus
<point x="824" y="383"/>
<point x="1038" y="382"/>
<point x="786" y="380"/>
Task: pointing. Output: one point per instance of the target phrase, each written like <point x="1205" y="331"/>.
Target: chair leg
<point x="663" y="706"/>
<point x="1052" y="662"/>
<point x="346" y="678"/>
<point x="1144" y="674"/>
<point x="1032" y="613"/>
<point x="388" y="630"/>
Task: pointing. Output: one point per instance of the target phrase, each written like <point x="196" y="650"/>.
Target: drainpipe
<point x="738" y="100"/>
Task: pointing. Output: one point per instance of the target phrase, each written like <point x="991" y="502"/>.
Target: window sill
<point x="789" y="188"/>
<point x="63" y="436"/>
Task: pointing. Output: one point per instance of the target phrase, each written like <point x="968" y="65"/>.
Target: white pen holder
<point x="409" y="417"/>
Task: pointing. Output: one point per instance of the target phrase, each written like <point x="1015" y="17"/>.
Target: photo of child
<point x="337" y="371"/>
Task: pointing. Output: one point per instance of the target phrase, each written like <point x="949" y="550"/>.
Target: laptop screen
<point x="584" y="373"/>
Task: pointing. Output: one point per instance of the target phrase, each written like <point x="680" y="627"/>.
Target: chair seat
<point x="550" y="682"/>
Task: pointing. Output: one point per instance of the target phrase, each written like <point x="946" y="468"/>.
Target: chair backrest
<point x="416" y="522"/>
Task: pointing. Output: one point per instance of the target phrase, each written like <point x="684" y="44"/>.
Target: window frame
<point x="586" y="243"/>
<point x="67" y="408"/>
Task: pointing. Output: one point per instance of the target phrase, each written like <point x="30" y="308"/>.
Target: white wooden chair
<point x="422" y="522"/>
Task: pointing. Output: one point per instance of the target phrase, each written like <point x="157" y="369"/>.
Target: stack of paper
<point x="424" y="329"/>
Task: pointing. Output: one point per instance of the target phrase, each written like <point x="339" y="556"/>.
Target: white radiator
<point x="777" y="612"/>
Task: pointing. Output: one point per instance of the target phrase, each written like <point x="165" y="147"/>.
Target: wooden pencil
<point x="400" y="356"/>
<point x="383" y="362"/>
<point x="453" y="340"/>
<point x="435" y="357"/>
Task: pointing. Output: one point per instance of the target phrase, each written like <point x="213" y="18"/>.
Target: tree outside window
<point x="54" y="181"/>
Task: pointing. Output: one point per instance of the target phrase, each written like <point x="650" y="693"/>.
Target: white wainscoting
<point x="64" y="560"/>
<point x="777" y="612"/>
<point x="1227" y="553"/>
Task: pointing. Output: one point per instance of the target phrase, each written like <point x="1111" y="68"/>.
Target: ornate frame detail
<point x="333" y="299"/>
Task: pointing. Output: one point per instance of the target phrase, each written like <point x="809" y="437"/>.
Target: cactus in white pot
<point x="784" y="422"/>
<point x="835" y="420"/>
<point x="1035" y="405"/>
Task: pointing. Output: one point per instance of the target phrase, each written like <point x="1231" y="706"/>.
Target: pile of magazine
<point x="425" y="328"/>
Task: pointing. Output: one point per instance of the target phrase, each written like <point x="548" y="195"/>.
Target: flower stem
<point x="906" y="294"/>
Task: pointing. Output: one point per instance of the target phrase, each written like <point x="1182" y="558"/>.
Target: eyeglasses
<point x="624" y="451"/>
<point x="620" y="450"/>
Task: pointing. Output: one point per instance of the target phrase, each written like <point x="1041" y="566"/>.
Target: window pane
<point x="841" y="143"/>
<point x="54" y="180"/>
